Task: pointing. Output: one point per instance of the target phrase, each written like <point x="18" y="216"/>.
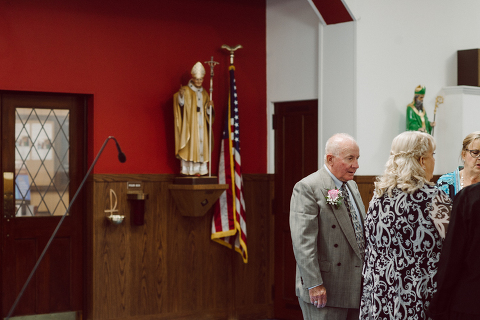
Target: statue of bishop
<point x="192" y="108"/>
<point x="417" y="119"/>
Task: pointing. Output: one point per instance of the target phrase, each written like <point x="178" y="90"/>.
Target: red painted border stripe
<point x="333" y="11"/>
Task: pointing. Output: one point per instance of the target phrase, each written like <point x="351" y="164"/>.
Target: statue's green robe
<point x="417" y="119"/>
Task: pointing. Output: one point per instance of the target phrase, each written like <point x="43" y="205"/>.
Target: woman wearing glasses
<point x="451" y="183"/>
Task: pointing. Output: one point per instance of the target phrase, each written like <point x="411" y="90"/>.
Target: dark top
<point x="458" y="275"/>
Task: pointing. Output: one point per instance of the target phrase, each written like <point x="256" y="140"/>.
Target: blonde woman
<point x="451" y="183"/>
<point x="404" y="230"/>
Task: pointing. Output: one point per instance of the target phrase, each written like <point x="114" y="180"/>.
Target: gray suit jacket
<point x="324" y="242"/>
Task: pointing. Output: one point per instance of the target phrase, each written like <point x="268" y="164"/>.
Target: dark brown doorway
<point x="296" y="156"/>
<point x="43" y="162"/>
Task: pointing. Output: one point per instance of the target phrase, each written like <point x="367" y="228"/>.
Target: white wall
<point x="292" y="58"/>
<point x="401" y="44"/>
<point x="337" y="71"/>
<point x="460" y="116"/>
<point x="397" y="45"/>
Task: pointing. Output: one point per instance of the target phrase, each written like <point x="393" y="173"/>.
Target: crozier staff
<point x="212" y="65"/>
<point x="192" y="109"/>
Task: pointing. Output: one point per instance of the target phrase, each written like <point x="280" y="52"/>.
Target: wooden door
<point x="43" y="162"/>
<point x="296" y="156"/>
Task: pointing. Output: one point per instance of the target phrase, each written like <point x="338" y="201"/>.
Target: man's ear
<point x="329" y="158"/>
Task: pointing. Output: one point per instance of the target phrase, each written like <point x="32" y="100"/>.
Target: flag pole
<point x="233" y="177"/>
<point x="232" y="55"/>
<point x="212" y="64"/>
<point x="232" y="51"/>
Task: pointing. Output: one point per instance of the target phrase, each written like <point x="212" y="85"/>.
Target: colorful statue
<point x="192" y="107"/>
<point x="417" y="119"/>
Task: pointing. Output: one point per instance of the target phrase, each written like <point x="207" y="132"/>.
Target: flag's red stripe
<point x="230" y="157"/>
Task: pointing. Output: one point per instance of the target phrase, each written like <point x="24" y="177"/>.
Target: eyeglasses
<point x="474" y="153"/>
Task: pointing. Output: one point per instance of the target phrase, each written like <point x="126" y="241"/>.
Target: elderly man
<point x="326" y="223"/>
<point x="191" y="106"/>
<point x="417" y="119"/>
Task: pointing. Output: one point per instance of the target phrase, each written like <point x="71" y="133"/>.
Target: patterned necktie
<point x="357" y="224"/>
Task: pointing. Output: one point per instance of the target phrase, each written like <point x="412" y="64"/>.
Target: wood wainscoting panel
<point x="169" y="268"/>
<point x="198" y="269"/>
<point x="110" y="254"/>
<point x="253" y="281"/>
<point x="366" y="187"/>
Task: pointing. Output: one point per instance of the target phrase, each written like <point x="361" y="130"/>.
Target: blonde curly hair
<point x="403" y="169"/>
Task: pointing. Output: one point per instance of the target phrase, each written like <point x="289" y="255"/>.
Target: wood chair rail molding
<point x="132" y="177"/>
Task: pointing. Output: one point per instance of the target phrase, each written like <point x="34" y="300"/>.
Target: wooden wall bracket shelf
<point x="194" y="200"/>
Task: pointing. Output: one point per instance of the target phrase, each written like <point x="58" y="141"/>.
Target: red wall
<point x="132" y="56"/>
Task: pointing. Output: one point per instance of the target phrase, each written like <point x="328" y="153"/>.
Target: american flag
<point x="229" y="225"/>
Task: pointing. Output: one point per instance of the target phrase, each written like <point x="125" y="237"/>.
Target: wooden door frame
<point x="78" y="162"/>
<point x="290" y="309"/>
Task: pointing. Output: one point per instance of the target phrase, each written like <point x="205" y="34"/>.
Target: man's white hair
<point x="334" y="144"/>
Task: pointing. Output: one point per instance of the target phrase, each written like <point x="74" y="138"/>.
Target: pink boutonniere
<point x="334" y="197"/>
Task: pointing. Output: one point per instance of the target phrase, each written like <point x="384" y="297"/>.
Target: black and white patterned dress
<point x="404" y="235"/>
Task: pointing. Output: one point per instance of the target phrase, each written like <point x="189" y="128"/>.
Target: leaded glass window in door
<point x="41" y="162"/>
